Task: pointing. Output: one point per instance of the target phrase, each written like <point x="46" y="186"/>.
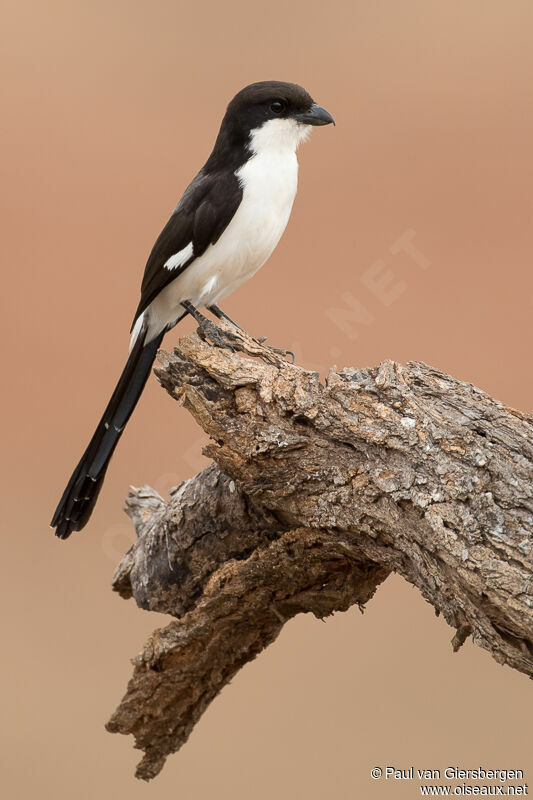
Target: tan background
<point x="108" y="109"/>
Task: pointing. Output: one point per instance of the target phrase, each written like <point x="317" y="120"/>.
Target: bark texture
<point x="318" y="492"/>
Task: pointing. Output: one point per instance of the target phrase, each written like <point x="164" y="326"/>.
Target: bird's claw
<point x="280" y="350"/>
<point x="210" y="332"/>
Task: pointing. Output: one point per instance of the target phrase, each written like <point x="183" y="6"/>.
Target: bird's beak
<point x="315" y="116"/>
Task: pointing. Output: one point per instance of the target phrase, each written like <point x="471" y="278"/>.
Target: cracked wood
<point x="318" y="492"/>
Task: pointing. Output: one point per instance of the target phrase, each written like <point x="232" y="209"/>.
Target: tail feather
<point x="83" y="488"/>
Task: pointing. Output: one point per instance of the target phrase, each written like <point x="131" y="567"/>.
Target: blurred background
<point x="410" y="239"/>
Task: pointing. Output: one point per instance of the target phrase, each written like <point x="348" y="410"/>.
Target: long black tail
<point x="79" y="498"/>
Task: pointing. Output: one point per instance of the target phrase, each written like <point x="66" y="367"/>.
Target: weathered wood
<point x="318" y="493"/>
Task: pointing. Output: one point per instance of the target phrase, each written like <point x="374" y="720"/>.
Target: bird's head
<point x="271" y="114"/>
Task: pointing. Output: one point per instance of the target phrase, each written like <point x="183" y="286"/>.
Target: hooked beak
<point x="315" y="116"/>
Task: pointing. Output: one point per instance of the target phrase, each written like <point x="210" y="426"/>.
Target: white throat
<point x="278" y="136"/>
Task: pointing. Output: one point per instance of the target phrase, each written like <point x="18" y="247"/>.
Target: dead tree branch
<point x="318" y="493"/>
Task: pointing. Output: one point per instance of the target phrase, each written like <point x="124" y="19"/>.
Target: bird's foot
<point x="207" y="329"/>
<point x="210" y="332"/>
<point x="279" y="350"/>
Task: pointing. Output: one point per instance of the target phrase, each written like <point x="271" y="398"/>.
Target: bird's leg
<point x="222" y="315"/>
<point x="207" y="328"/>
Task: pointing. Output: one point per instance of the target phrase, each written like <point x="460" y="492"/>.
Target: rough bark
<point x="318" y="492"/>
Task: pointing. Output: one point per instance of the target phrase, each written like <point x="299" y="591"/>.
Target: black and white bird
<point x="224" y="228"/>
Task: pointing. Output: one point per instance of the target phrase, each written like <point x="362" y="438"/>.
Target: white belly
<point x="269" y="181"/>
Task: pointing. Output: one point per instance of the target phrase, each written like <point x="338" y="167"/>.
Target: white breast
<point x="269" y="180"/>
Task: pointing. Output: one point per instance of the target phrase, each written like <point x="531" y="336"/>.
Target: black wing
<point x="201" y="216"/>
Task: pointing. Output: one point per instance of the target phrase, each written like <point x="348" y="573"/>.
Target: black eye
<point x="278" y="106"/>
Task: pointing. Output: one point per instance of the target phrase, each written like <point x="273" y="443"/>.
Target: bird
<point x="225" y="227"/>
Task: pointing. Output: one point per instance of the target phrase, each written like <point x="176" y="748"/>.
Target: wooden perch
<point x="317" y="493"/>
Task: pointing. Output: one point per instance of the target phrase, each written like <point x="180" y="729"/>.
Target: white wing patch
<point x="178" y="259"/>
